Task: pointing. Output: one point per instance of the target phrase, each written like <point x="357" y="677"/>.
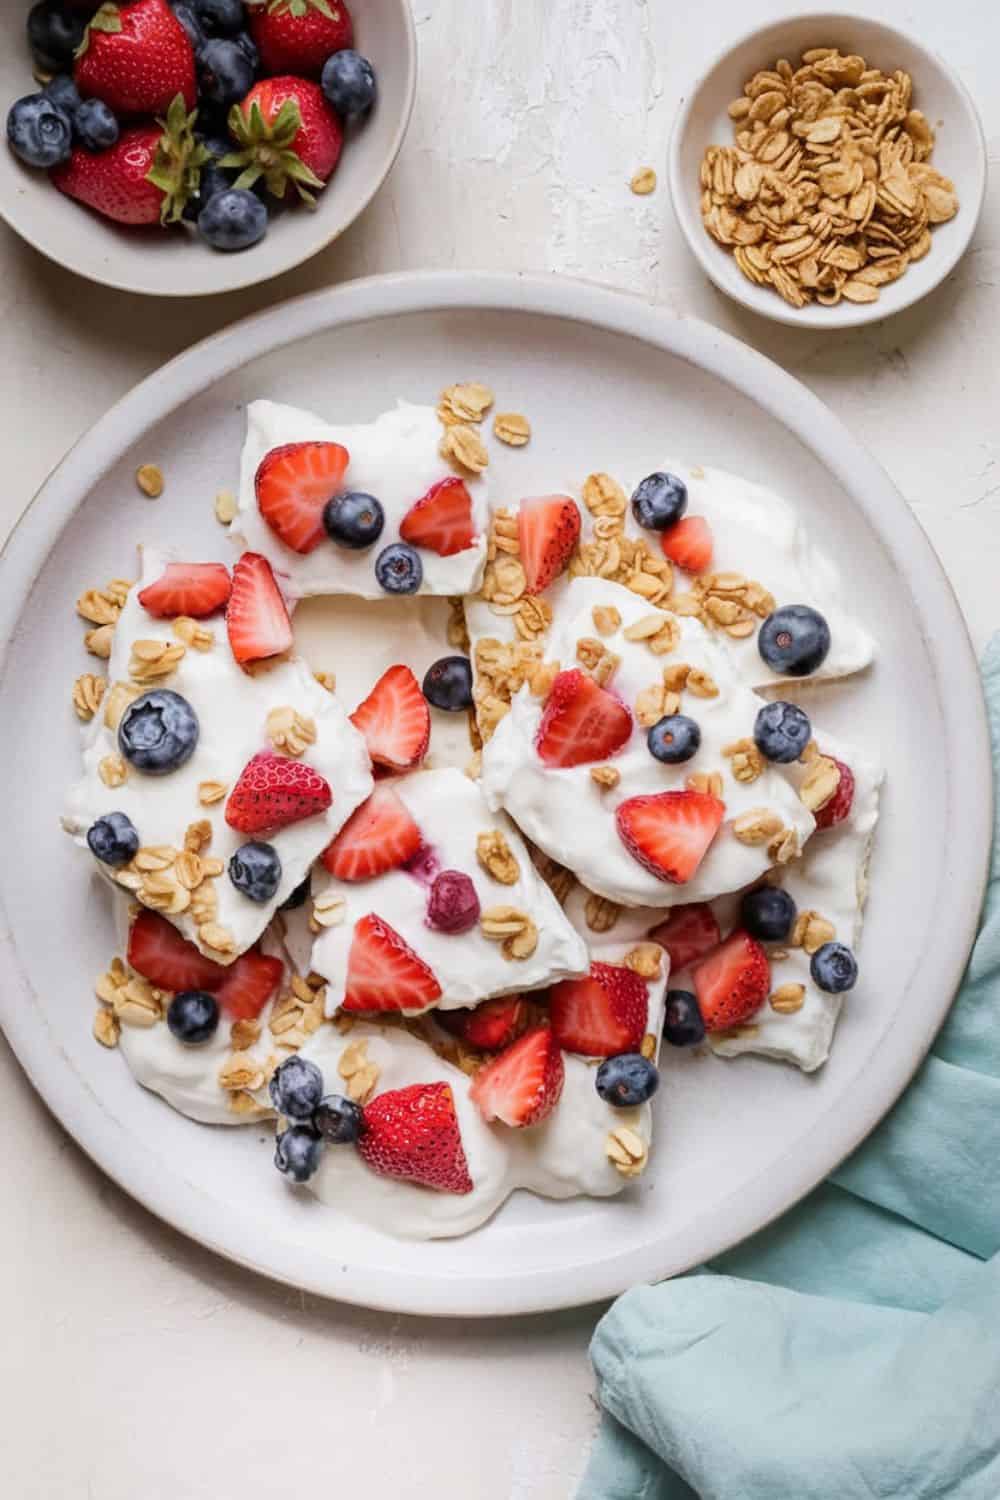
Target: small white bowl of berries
<point x="185" y="147"/>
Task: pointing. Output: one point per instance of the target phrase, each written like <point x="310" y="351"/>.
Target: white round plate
<point x="960" y="153"/>
<point x="177" y="264"/>
<point x="608" y="383"/>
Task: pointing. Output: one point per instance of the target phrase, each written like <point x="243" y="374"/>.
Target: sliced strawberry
<point x="257" y="620"/>
<point x="157" y="951"/>
<point x="582" y="722"/>
<point x="840" y="804"/>
<point x="442" y="520"/>
<point x="413" y="1134"/>
<point x="522" y="1086"/>
<point x="548" y="528"/>
<point x="395" y="720"/>
<point x="732" y="982"/>
<point x="688" y="543"/>
<point x="293" y="484"/>
<point x="602" y="1014"/>
<point x="273" y="791"/>
<point x="489" y="1026"/>
<point x="384" y="973"/>
<point x="380" y="836"/>
<point x="249" y="984"/>
<point x="195" y="589"/>
<point x="689" y="932"/>
<point x="669" y="833"/>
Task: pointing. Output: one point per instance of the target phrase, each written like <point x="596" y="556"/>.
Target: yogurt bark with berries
<point x="638" y="768"/>
<point x="759" y="971"/>
<point x="701" y="543"/>
<point x="216" y="769"/>
<point x="431" y="900"/>
<point x="371" y="509"/>
<point x="424" y="1132"/>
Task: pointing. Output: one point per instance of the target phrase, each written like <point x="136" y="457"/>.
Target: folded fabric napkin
<point x="852" y="1350"/>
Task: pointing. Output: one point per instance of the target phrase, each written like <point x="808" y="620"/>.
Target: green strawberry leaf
<point x="179" y="158"/>
<point x="266" y="150"/>
<point x="299" y="8"/>
<point x="107" y="19"/>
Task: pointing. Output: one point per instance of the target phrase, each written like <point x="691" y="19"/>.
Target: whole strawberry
<point x="297" y="36"/>
<point x="145" y="178"/>
<point x="136" y="58"/>
<point x="286" y="133"/>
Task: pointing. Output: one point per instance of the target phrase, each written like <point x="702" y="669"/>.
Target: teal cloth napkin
<point x="852" y="1350"/>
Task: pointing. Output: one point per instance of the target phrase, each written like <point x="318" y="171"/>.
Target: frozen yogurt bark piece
<point x="583" y="1147"/>
<point x="829" y="887"/>
<point x="180" y="817"/>
<point x="435" y="902"/>
<point x="219" y="1078"/>
<point x="762" y="558"/>
<point x="569" y="776"/>
<point x="396" y="460"/>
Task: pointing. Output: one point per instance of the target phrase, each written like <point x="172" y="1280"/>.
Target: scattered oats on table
<point x="643" y="181"/>
<point x="149" y="478"/>
<point x="828" y="192"/>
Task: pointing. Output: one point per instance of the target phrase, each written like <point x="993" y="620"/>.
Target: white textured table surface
<point x="132" y="1363"/>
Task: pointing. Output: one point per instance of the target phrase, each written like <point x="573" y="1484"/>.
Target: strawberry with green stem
<point x="297" y="36"/>
<point x="285" y="132"/>
<point x="136" y="58"/>
<point x="147" y="177"/>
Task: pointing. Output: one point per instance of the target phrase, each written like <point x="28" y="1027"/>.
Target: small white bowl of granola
<point x="828" y="170"/>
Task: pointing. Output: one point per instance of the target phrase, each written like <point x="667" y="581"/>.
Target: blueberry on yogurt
<point x="781" y="732"/>
<point x="158" y="732"/>
<point x="113" y="839"/>
<point x="794" y="640"/>
<point x="659" y="501"/>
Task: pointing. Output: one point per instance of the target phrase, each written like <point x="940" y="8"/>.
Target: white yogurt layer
<point x="396" y="459"/>
<point x="232" y="708"/>
<point x="573" y="820"/>
<point x="450" y="811"/>
<point x="563" y="1157"/>
<point x="757" y="534"/>
<point x="830" y="879"/>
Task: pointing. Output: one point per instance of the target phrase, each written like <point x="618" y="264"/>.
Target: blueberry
<point x="348" y="81"/>
<point x="233" y="220"/>
<point x="248" y="47"/>
<point x="225" y="73"/>
<point x="63" y="92"/>
<point x="212" y="179"/>
<point x="338" y="1120"/>
<point x="398" y="569"/>
<point x="781" y="732"/>
<point x="158" y="732"/>
<point x="192" y="1016"/>
<point x="299" y="896"/>
<point x="768" y="913"/>
<point x="54" y="35"/>
<point x="255" y="869"/>
<point x="38" y="131"/>
<point x="297" y="1152"/>
<point x="834" y="968"/>
<point x="296" y="1088"/>
<point x="189" y="20"/>
<point x="113" y="839"/>
<point x="95" y="125"/>
<point x="682" y="1023"/>
<point x="674" y="739"/>
<point x="659" y="501"/>
<point x="448" y="684"/>
<point x="794" y="640"/>
<point x="220" y="17"/>
<point x="627" y="1080"/>
<point x="353" y="519"/>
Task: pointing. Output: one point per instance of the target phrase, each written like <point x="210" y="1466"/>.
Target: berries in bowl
<point x="188" y="148"/>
